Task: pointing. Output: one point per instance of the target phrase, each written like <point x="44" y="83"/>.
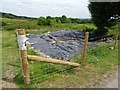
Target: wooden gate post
<point x="85" y="45"/>
<point x="22" y="46"/>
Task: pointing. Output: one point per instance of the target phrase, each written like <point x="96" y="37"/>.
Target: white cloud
<point x="36" y="8"/>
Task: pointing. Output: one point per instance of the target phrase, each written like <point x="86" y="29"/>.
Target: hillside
<point x="12" y="16"/>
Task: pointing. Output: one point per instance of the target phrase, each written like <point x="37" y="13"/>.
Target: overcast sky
<point x="37" y="8"/>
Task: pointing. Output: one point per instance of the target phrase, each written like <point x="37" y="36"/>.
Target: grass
<point x="32" y="26"/>
<point x="97" y="56"/>
<point x="98" y="61"/>
<point x="10" y="53"/>
<point x="0" y="54"/>
<point x="114" y="30"/>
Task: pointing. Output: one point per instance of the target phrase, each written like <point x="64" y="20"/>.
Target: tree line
<point x="47" y="20"/>
<point x="57" y="20"/>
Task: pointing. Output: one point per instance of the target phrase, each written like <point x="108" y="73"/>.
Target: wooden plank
<point x="50" y="60"/>
<point x="23" y="53"/>
<point x="85" y="45"/>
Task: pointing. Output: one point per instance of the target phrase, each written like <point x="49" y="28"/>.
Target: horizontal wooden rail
<point x="50" y="60"/>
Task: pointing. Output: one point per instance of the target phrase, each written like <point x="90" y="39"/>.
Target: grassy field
<point x="12" y="24"/>
<point x="31" y="26"/>
<point x="98" y="61"/>
<point x="0" y="55"/>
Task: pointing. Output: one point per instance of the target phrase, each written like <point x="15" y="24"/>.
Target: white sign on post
<point x="22" y="42"/>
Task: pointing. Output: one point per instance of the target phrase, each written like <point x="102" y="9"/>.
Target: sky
<point x="37" y="8"/>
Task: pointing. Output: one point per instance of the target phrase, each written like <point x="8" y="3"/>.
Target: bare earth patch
<point x="7" y="84"/>
<point x="7" y="80"/>
<point x="110" y="81"/>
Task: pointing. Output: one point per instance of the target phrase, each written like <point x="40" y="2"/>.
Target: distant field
<point x="31" y="26"/>
<point x="12" y="24"/>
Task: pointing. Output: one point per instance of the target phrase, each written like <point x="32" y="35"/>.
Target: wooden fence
<point x="24" y="57"/>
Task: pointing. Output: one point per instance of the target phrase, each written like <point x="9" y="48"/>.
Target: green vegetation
<point x="10" y="54"/>
<point x="31" y="26"/>
<point x="52" y="21"/>
<point x="104" y="15"/>
<point x="98" y="62"/>
<point x="100" y="27"/>
<point x="12" y="16"/>
<point x="0" y="54"/>
<point x="13" y="24"/>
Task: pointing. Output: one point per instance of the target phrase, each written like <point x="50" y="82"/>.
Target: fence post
<point x="22" y="46"/>
<point x="85" y="45"/>
<point x="116" y="38"/>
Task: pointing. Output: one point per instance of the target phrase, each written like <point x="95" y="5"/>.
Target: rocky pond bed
<point x="63" y="45"/>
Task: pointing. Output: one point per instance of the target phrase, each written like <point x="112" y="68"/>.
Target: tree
<point x="58" y="20"/>
<point x="48" y="17"/>
<point x="41" y="21"/>
<point x="53" y="22"/>
<point x="101" y="13"/>
<point x="63" y="19"/>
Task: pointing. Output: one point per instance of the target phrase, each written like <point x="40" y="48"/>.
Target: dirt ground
<point x="7" y="84"/>
<point x="110" y="81"/>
